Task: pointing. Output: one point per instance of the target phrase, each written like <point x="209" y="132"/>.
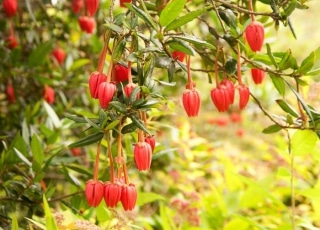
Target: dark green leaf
<point x="231" y="66"/>
<point x="114" y="27"/>
<point x="139" y="123"/>
<point x="279" y="83"/>
<point x="79" y="169"/>
<point x="94" y="125"/>
<point x="228" y="17"/>
<point x="39" y="55"/>
<point x="149" y="67"/>
<point x="129" y="128"/>
<point x="171" y="70"/>
<point x="145" y="16"/>
<point x="76" y="118"/>
<point x="272" y="129"/>
<point x="90" y="139"/>
<point x="182" y="46"/>
<point x="287" y="108"/>
<point x="307" y="63"/>
<point x="121" y="108"/>
<point x="185" y="19"/>
<point x="288" y="61"/>
<point x="171" y="11"/>
<point x="163" y="62"/>
<point x="290" y="8"/>
<point x="135" y="92"/>
<point x="119" y="50"/>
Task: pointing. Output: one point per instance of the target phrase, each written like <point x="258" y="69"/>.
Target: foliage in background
<point x="201" y="178"/>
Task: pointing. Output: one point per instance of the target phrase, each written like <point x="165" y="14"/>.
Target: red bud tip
<point x="94" y="192"/>
<point x="142" y="155"/>
<point x="254" y="35"/>
<point x="257" y="75"/>
<point x="191" y="102"/>
<point x="128" y="197"/>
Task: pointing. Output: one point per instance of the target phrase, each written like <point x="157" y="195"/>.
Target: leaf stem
<point x="110" y="159"/>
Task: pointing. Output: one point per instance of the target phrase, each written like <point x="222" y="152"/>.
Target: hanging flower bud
<point x="129" y="88"/>
<point x="10" y="7"/>
<point x="48" y="94"/>
<point x="76" y="151"/>
<point x="59" y="55"/>
<point x="151" y="141"/>
<point x="94" y="192"/>
<point x="95" y="80"/>
<point x="112" y="194"/>
<point x="128" y="197"/>
<point x="230" y="87"/>
<point x="122" y="2"/>
<point x="142" y="155"/>
<point x="91" y="6"/>
<point x="120" y="73"/>
<point x="87" y="24"/>
<point x="191" y="102"/>
<point x="257" y="75"/>
<point x="178" y="55"/>
<point x="221" y="98"/>
<point x="10" y="93"/>
<point x="244" y="95"/>
<point x="76" y="6"/>
<point x="255" y="35"/>
<point x="12" y="42"/>
<point x="105" y="93"/>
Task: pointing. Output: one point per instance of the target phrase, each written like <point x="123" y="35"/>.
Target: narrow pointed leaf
<point x="185" y="19"/>
<point x="272" y="129"/>
<point x="90" y="139"/>
<point x="171" y="11"/>
<point x="145" y="16"/>
<point x="50" y="222"/>
<point x="139" y="124"/>
<point x="279" y="83"/>
<point x="37" y="150"/>
<point x="22" y="157"/>
<point x="182" y="46"/>
<point x="307" y="63"/>
<point x="39" y="55"/>
<point x="287" y="108"/>
<point x="272" y="58"/>
<point x="194" y="40"/>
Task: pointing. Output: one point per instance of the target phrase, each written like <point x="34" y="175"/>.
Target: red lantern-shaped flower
<point x="112" y="194"/>
<point x="76" y="6"/>
<point x="178" y="55"/>
<point x="257" y="75"/>
<point x="244" y="95"/>
<point x="59" y="55"/>
<point x="151" y="141"/>
<point x="191" y="102"/>
<point x="10" y="93"/>
<point x="96" y="78"/>
<point x="92" y="6"/>
<point x="142" y="155"/>
<point x="221" y="98"/>
<point x="10" y="7"/>
<point x="120" y="73"/>
<point x="12" y="42"/>
<point x="94" y="192"/>
<point x="48" y="94"/>
<point x="128" y="197"/>
<point x="87" y="24"/>
<point x="255" y="35"/>
<point x="124" y="1"/>
<point x="105" y="93"/>
<point x="230" y="88"/>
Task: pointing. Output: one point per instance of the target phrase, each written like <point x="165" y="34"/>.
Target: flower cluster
<point x="86" y="21"/>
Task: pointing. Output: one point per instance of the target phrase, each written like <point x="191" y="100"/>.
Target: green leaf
<point x="272" y="129"/>
<point x="181" y="46"/>
<point x="14" y="222"/>
<point x="79" y="63"/>
<point x="148" y="197"/>
<point x="171" y="70"/>
<point x="272" y="58"/>
<point x="228" y="17"/>
<point x="288" y="61"/>
<point x="76" y="118"/>
<point x="313" y="72"/>
<point x="171" y="11"/>
<point x="37" y="149"/>
<point x="90" y="139"/>
<point x="52" y="114"/>
<point x="231" y="66"/>
<point x="287" y="108"/>
<point x="185" y="19"/>
<point x="119" y="50"/>
<point x="118" y="106"/>
<point x="145" y="16"/>
<point x="39" y="55"/>
<point x="112" y="125"/>
<point x="290" y="8"/>
<point x="303" y="142"/>
<point x="114" y="27"/>
<point x="194" y="40"/>
<point x="139" y="124"/>
<point x="279" y="83"/>
<point x="134" y="94"/>
<point x="307" y="63"/>
<point x="50" y="222"/>
<point x="129" y="128"/>
<point x="283" y="172"/>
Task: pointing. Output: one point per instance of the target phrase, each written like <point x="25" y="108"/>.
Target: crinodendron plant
<point x="150" y="46"/>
